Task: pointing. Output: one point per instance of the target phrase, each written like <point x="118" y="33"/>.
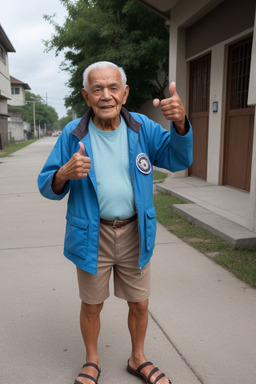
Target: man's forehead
<point x="103" y="75"/>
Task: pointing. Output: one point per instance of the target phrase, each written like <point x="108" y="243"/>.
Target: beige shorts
<point x="118" y="251"/>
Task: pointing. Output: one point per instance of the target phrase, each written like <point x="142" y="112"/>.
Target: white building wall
<point x="18" y="100"/>
<point x="216" y="119"/>
<point x="3" y="107"/>
<point x="252" y="101"/>
<point x="5" y="86"/>
<point x="17" y="129"/>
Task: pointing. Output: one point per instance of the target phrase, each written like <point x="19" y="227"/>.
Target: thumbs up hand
<point x="173" y="109"/>
<point x="79" y="165"/>
<point x="76" y="168"/>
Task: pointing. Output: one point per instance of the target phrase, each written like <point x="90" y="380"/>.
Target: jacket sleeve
<point x="57" y="158"/>
<point x="168" y="149"/>
<point x="181" y="148"/>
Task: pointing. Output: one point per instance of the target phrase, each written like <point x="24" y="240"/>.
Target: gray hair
<point x="102" y="65"/>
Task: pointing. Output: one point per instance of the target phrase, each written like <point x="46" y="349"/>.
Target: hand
<point x="76" y="168"/>
<point x="173" y="109"/>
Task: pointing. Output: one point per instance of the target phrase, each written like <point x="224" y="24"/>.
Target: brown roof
<point x="18" y="82"/>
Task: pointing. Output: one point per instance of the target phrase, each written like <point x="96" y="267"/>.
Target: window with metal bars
<point x="239" y="74"/>
<point x="2" y="55"/>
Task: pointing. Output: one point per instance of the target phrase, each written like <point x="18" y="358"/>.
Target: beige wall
<point x="227" y="20"/>
<point x="5" y="86"/>
<point x="252" y="84"/>
<point x="18" y="100"/>
<point x="154" y="113"/>
<point x="216" y="119"/>
<point x="252" y="101"/>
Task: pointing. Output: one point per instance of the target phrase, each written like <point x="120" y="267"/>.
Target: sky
<point x="23" y="23"/>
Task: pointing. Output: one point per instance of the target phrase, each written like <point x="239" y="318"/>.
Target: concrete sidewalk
<point x="202" y="319"/>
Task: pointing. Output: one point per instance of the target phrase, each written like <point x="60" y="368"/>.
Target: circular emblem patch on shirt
<point x="143" y="164"/>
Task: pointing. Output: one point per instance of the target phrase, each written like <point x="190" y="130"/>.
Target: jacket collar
<point x="81" y="129"/>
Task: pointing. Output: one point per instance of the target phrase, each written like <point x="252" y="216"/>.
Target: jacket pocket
<point x="150" y="217"/>
<point x="76" y="236"/>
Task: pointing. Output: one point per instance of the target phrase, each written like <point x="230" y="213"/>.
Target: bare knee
<point x="91" y="311"/>
<point x="139" y="309"/>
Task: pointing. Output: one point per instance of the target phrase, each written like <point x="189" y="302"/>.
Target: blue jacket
<point x="165" y="149"/>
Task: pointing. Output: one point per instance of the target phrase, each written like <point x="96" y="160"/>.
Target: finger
<point x="87" y="162"/>
<point x="81" y="149"/>
<point x="172" y="88"/>
<point x="156" y="102"/>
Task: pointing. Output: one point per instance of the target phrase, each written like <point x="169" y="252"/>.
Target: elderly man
<point x="104" y="161"/>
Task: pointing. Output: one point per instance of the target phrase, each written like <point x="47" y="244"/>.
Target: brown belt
<point x="118" y="223"/>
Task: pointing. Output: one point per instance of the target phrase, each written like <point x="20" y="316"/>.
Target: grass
<point x="158" y="176"/>
<point x="13" y="147"/>
<point x="240" y="261"/>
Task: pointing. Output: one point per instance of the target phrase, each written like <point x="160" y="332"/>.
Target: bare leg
<point x="138" y="323"/>
<point x="90" y="328"/>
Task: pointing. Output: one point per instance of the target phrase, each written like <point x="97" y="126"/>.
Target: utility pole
<point x="34" y="115"/>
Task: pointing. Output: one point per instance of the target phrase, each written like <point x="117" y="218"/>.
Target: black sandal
<point x="136" y="372"/>
<point x="89" y="376"/>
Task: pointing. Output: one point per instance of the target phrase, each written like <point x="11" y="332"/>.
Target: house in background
<point x="18" y="92"/>
<point x="212" y="58"/>
<point x="18" y="130"/>
<point x="5" y="86"/>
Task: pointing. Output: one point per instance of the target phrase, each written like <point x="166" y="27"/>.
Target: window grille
<point x="2" y="55"/>
<point x="239" y="74"/>
<point x="15" y="91"/>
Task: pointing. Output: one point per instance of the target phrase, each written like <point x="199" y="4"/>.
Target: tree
<point x="61" y="123"/>
<point x="44" y="114"/>
<point x="121" y="31"/>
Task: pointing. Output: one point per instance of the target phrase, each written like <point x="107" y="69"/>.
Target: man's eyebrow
<point x="97" y="85"/>
<point x="116" y="84"/>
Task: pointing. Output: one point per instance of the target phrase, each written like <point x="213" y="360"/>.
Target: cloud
<point x="26" y="28"/>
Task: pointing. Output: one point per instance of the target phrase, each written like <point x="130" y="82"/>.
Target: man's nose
<point x="106" y="93"/>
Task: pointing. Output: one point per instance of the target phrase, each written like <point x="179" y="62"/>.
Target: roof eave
<point x="5" y="41"/>
<point x="164" y="15"/>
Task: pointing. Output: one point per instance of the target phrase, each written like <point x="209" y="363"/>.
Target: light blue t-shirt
<point x="111" y="162"/>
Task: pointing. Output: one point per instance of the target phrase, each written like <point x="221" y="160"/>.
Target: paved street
<point x="202" y="319"/>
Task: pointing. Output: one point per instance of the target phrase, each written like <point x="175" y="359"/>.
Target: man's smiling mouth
<point x="107" y="106"/>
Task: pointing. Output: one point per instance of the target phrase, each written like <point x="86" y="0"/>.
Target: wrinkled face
<point x="106" y="96"/>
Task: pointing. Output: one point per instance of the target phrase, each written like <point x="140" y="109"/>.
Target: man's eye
<point x="97" y="90"/>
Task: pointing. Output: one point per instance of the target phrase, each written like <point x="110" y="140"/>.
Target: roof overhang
<point x="18" y="82"/>
<point x="160" y="7"/>
<point x="5" y="41"/>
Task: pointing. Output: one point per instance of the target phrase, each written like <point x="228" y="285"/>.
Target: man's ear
<point x="126" y="94"/>
<point x="85" y="96"/>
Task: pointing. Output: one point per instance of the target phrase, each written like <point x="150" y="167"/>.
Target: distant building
<point x="18" y="92"/>
<point x="5" y="85"/>
<point x="18" y="130"/>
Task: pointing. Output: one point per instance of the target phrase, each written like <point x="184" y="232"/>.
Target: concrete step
<point x="220" y="226"/>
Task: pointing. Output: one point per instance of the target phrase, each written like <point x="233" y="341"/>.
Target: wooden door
<point x="239" y="123"/>
<point x="199" y="113"/>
